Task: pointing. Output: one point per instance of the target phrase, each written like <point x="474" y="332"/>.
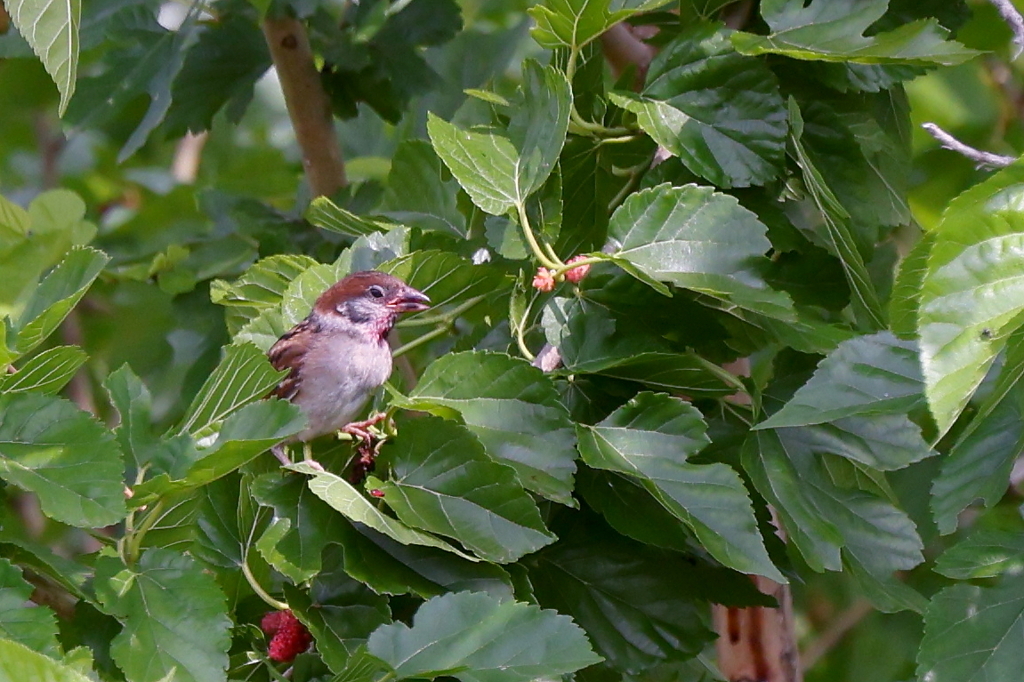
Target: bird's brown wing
<point x="287" y="353"/>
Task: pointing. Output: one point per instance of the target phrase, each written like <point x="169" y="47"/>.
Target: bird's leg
<point x="282" y="454"/>
<point x="369" y="443"/>
<point x="307" y="457"/>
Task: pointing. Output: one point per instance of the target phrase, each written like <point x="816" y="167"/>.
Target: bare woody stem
<point x="1012" y="17"/>
<point x="308" y="106"/>
<point x="979" y="157"/>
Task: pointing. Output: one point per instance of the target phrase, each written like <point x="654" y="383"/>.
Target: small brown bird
<point x="339" y="354"/>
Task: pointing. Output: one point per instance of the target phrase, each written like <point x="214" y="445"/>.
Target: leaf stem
<point x="538" y="253"/>
<point x="135" y="537"/>
<point x="558" y="272"/>
<point x="257" y="588"/>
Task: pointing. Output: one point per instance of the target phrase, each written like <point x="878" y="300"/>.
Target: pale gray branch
<point x="979" y="157"/>
<point x="1012" y="17"/>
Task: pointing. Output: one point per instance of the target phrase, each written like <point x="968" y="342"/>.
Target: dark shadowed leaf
<point x="421" y="191"/>
<point x="984" y="554"/>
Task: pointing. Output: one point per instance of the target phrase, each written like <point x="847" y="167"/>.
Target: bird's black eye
<point x="376" y="291"/>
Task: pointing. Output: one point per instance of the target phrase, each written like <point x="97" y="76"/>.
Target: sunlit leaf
<point x="63" y="455"/>
<point x="174" y="616"/>
<point x="720" y="112"/>
<point x="574" y="23"/>
<point x="47" y="372"/>
<point x="500" y="169"/>
<point x="476" y="638"/>
<point x="833" y="30"/>
<point x="51" y="28"/>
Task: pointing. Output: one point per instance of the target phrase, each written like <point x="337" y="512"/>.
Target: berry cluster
<point x="544" y="280"/>
<point x="288" y="637"/>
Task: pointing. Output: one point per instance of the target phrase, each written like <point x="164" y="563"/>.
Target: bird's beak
<point x="410" y="301"/>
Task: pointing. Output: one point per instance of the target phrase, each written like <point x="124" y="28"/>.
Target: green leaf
<point x="63" y="455"/>
<point x="246" y="434"/>
<point x="833" y="30"/>
<point x="973" y="633"/>
<point x="865" y="301"/>
<point x="390" y="567"/>
<point x="590" y="339"/>
<point x="445" y="277"/>
<point x="219" y="71"/>
<point x="971" y="297"/>
<point x="984" y="554"/>
<point x="302" y="525"/>
<point x="326" y="214"/>
<point x="475" y="638"/>
<point x="904" y="302"/>
<point x="56" y="295"/>
<point x="174" y="616"/>
<point x="824" y="519"/>
<point x="134" y="433"/>
<point x="866" y="375"/>
<point x="979" y="463"/>
<point x="882" y="442"/>
<point x="720" y="112"/>
<point x="513" y="408"/>
<point x="260" y="288"/>
<point x="18" y="662"/>
<point x="243" y="375"/>
<point x="574" y="23"/>
<point x="34" y="626"/>
<point x="340" y="612"/>
<point x="343" y="497"/>
<point x="35" y="240"/>
<point x="699" y="239"/>
<point x="51" y="28"/>
<point x="639" y="605"/>
<point x="421" y="192"/>
<point x="45" y="373"/>
<point x="141" y="67"/>
<point x="442" y="481"/>
<point x="227" y="523"/>
<point x="649" y="439"/>
<point x="500" y="169"/>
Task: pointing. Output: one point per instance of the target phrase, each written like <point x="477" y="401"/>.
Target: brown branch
<point x="757" y="643"/>
<point x="623" y="49"/>
<point x="308" y="106"/>
<point x="835" y="632"/>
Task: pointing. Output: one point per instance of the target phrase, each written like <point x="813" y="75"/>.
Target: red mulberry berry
<point x="289" y="637"/>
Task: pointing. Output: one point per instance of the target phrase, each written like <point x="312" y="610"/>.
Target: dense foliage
<point x="694" y="320"/>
